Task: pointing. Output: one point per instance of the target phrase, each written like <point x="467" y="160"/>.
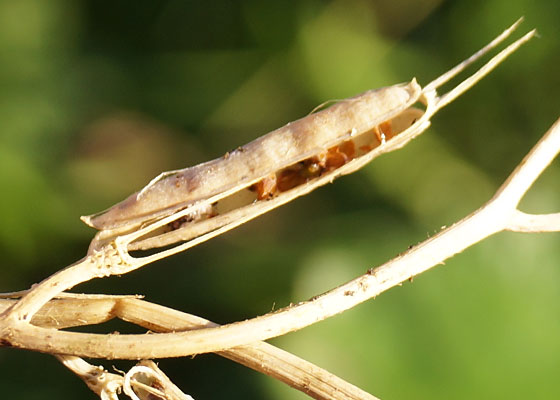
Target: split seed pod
<point x="194" y="204"/>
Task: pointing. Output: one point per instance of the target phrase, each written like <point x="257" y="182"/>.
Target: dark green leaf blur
<point x="98" y="97"/>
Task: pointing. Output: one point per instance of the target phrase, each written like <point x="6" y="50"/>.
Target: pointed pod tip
<point x="88" y="220"/>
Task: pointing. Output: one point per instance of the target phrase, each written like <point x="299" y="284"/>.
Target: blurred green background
<point x="99" y="97"/>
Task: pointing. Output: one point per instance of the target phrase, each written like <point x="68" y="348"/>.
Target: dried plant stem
<point x="80" y="310"/>
<point x="260" y="356"/>
<point x="498" y="214"/>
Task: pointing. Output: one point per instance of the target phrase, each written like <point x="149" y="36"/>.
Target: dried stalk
<point x="497" y="215"/>
<point x="79" y="310"/>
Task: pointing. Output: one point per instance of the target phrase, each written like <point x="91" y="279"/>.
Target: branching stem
<point x="498" y="214"/>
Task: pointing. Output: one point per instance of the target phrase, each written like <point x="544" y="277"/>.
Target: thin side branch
<point x="531" y="223"/>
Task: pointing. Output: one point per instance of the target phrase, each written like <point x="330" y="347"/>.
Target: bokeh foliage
<point x="98" y="97"/>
